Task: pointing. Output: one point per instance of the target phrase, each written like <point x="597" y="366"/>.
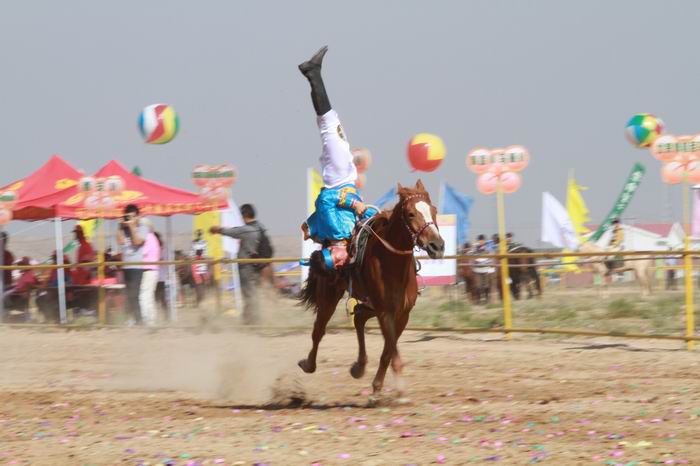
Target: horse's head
<point x="419" y="218"/>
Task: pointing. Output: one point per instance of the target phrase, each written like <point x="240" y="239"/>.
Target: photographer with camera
<point x="131" y="236"/>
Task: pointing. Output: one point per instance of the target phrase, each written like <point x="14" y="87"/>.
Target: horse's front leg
<point x="388" y="326"/>
<point x="362" y="314"/>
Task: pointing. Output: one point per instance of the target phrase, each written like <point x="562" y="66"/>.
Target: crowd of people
<point x="143" y="284"/>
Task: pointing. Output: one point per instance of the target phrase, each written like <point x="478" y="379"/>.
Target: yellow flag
<point x="576" y="207"/>
<point x="314" y="185"/>
<point x="215" y="248"/>
<point x="89" y="227"/>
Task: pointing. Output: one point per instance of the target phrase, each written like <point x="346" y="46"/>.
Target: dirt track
<point x="130" y="397"/>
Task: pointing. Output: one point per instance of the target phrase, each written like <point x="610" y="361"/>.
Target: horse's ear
<point x="419" y="185"/>
<point x="398" y="187"/>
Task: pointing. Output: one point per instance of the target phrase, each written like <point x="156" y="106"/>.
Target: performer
<point x="616" y="244"/>
<point x="339" y="204"/>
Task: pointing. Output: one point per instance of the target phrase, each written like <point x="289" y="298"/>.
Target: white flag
<point x="557" y="227"/>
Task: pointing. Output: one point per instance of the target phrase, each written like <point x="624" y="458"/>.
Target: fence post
<point x="505" y="286"/>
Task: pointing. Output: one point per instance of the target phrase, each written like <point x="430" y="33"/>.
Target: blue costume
<point x="335" y="218"/>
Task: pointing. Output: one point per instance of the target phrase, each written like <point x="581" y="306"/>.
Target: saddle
<point x="358" y="242"/>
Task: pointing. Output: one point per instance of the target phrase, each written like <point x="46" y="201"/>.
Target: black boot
<point x="312" y="71"/>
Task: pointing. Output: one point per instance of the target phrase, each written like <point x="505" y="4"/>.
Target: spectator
<point x="7" y="259"/>
<point x="149" y="279"/>
<point x="162" y="278"/>
<point x="17" y="297"/>
<point x="483" y="268"/>
<point x="52" y="280"/>
<point x="82" y="275"/>
<point x="252" y="236"/>
<point x="131" y="236"/>
<point x="199" y="244"/>
<point x="200" y="275"/>
<point x="671" y="262"/>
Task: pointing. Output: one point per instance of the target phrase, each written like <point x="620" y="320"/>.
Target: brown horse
<point x="383" y="280"/>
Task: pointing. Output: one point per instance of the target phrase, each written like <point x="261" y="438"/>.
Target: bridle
<point x="414" y="234"/>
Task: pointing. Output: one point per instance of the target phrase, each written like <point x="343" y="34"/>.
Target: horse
<point x="522" y="272"/>
<point x="476" y="293"/>
<point x="382" y="279"/>
<point x="642" y="268"/>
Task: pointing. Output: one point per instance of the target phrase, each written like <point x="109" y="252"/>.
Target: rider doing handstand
<point x="339" y="204"/>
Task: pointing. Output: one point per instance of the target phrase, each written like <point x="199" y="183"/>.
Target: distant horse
<point x="641" y="266"/>
<point x="383" y="279"/>
<point x="522" y="272"/>
<point x="472" y="283"/>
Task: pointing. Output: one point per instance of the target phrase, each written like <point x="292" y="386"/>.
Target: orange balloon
<point x="362" y="158"/>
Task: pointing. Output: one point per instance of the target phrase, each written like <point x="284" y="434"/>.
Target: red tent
<point x="152" y="198"/>
<point x="40" y="193"/>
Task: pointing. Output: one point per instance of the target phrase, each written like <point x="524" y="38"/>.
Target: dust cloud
<point x="234" y="367"/>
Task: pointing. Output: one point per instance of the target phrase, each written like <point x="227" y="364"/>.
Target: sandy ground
<point x="177" y="397"/>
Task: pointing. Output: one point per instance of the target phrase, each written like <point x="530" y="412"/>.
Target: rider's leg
<point x="312" y="71"/>
<point x="336" y="160"/>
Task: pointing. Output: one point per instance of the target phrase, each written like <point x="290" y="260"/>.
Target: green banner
<point x="623" y="200"/>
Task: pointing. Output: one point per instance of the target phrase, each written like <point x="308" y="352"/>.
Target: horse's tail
<point x="308" y="293"/>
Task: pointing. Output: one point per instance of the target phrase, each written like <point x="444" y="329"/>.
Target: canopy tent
<point x="40" y="193"/>
<point x="151" y="198"/>
<point x="52" y="193"/>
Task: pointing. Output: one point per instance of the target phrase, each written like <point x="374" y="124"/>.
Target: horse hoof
<point x="357" y="371"/>
<point x="306" y="367"/>
<point x="372" y="401"/>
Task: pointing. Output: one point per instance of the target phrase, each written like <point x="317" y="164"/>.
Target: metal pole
<point x="688" y="270"/>
<point x="102" y="306"/>
<point x="61" y="271"/>
<point x="507" y="311"/>
<point x="172" y="276"/>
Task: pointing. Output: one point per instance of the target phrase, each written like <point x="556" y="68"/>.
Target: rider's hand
<point x="305" y="230"/>
<point x="215" y="230"/>
<point x="360" y="207"/>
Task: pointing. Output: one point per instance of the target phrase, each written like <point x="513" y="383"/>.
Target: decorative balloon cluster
<point x="362" y="158"/>
<point x="101" y="193"/>
<point x="680" y="156"/>
<point x="8" y="200"/>
<point x="498" y="168"/>
<point x="213" y="181"/>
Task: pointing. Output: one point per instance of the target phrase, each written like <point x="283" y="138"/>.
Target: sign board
<point x="442" y="271"/>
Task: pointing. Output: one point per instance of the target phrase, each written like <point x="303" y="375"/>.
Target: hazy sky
<point x="560" y="77"/>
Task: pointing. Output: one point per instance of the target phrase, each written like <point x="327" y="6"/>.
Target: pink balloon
<point x="693" y="171"/>
<point x="672" y="172"/>
<point x="92" y="202"/>
<point x="487" y="183"/>
<point x="664" y="147"/>
<point x="517" y="158"/>
<point x="479" y="160"/>
<point x="510" y="182"/>
<point x="87" y="184"/>
<point x="199" y="175"/>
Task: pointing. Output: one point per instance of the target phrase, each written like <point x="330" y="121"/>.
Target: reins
<point x="414" y="235"/>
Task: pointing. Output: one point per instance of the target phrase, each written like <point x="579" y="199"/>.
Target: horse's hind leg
<point x="362" y="314"/>
<point x="329" y="297"/>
